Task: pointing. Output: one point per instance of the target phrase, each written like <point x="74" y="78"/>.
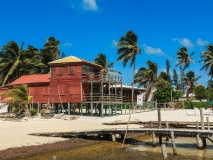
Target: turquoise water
<point x="184" y="146"/>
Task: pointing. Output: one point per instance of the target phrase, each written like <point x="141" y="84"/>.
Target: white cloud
<point x="114" y="43"/>
<point x="90" y="5"/>
<point x="87" y="5"/>
<point x="66" y="44"/>
<point x="200" y="42"/>
<point x="153" y="51"/>
<point x="184" y="42"/>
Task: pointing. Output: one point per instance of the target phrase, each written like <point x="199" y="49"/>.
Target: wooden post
<point x="207" y="119"/>
<point x="167" y="126"/>
<point x="164" y="152"/>
<point x="199" y="142"/>
<point x="159" y="124"/>
<point x="201" y="119"/>
<point x="159" y="118"/>
<point x="68" y="108"/>
<point x="202" y="126"/>
<point x="38" y="108"/>
<point x="197" y="125"/>
<point x="153" y="139"/>
<point x="160" y="139"/>
<point x="173" y="143"/>
<point x="126" y="131"/>
<point x="102" y="108"/>
<point x="125" y="107"/>
<point x="91" y="99"/>
<point x="113" y="138"/>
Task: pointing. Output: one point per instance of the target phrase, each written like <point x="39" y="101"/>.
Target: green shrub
<point x="192" y="105"/>
<point x="33" y="112"/>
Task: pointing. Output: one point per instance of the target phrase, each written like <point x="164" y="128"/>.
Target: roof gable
<point x="71" y="59"/>
<point x="29" y="79"/>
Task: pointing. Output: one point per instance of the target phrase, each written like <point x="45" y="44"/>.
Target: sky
<point x="88" y="27"/>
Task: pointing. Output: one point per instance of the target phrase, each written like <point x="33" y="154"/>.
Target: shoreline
<point x="15" y="134"/>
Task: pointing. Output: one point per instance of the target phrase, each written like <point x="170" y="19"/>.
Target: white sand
<point x="15" y="134"/>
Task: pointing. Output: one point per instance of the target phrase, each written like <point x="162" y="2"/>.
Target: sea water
<point x="184" y="146"/>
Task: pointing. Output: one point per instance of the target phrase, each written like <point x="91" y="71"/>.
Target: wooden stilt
<point x="207" y="119"/>
<point x="164" y="152"/>
<point x="167" y="126"/>
<point x="113" y="138"/>
<point x="68" y="108"/>
<point x="153" y="139"/>
<point x="204" y="142"/>
<point x="160" y="139"/>
<point x="199" y="142"/>
<point x="173" y="143"/>
<point x="201" y="119"/>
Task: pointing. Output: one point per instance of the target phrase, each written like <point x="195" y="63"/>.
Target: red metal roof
<point x="28" y="79"/>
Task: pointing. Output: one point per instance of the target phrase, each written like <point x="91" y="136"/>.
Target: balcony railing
<point x="99" y="98"/>
<point x="103" y="77"/>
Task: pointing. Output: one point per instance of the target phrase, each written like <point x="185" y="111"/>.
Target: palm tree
<point x="190" y="81"/>
<point x="175" y="79"/>
<point x="102" y="61"/>
<point x="50" y="52"/>
<point x="127" y="51"/>
<point x="183" y="62"/>
<point x="19" y="97"/>
<point x="9" y="61"/>
<point x="184" y="58"/>
<point x="207" y="59"/>
<point x="31" y="62"/>
<point x="147" y="77"/>
<point x="165" y="76"/>
<point x="167" y="70"/>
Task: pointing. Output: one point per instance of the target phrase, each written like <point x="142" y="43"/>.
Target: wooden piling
<point x="153" y="139"/>
<point x="159" y="118"/>
<point x="199" y="142"/>
<point x="113" y="137"/>
<point x="201" y="118"/>
<point x="68" y="108"/>
<point x="207" y="119"/>
<point x="164" y="152"/>
<point x="159" y="124"/>
<point x="173" y="143"/>
<point x="167" y="126"/>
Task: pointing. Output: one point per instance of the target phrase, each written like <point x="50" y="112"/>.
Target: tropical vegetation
<point x="17" y="60"/>
<point x="18" y="98"/>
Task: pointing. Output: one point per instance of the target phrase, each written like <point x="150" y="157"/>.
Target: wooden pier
<point x="156" y="131"/>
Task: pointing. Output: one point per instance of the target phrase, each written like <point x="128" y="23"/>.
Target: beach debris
<point x="25" y="119"/>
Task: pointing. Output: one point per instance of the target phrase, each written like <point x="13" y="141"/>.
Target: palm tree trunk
<point x="14" y="66"/>
<point x="133" y="79"/>
<point x="208" y="96"/>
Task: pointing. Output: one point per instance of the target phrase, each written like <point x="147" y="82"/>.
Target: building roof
<point x="71" y="59"/>
<point x="29" y="79"/>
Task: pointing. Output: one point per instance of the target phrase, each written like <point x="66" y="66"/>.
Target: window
<point x="60" y="70"/>
<point x="71" y="70"/>
<point x="86" y="70"/>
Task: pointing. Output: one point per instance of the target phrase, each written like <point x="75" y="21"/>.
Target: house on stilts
<point x="76" y="86"/>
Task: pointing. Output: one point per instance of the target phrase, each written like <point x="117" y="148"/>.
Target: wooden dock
<point x="157" y="132"/>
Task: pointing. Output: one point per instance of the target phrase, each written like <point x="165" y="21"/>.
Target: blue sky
<point x="88" y="27"/>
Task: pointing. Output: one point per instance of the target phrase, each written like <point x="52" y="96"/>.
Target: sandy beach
<point x="15" y="134"/>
